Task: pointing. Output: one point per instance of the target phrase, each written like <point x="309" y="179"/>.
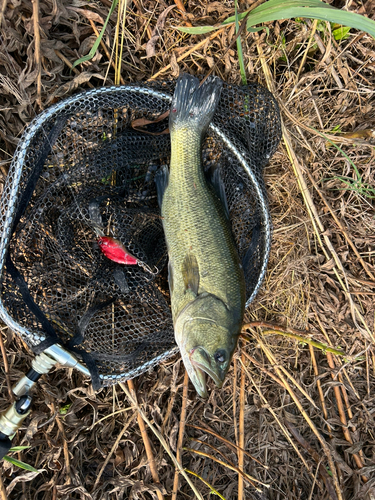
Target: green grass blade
<point x="197" y="30"/>
<point x="213" y="491"/>
<point x="279" y="5"/>
<point x="326" y="13"/>
<point x="314" y="9"/>
<point x="94" y="48"/>
<point x="19" y="448"/>
<point x="239" y="47"/>
<point x="20" y="464"/>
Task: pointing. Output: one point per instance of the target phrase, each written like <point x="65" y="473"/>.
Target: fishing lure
<point x="114" y="250"/>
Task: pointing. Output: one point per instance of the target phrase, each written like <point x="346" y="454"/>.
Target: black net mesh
<point x="96" y="174"/>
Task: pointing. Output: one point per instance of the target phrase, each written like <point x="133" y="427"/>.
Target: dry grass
<point x="304" y="414"/>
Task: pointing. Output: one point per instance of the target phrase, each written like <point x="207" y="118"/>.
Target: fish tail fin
<point x="194" y="104"/>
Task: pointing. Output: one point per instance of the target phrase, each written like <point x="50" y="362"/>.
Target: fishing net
<point x="82" y="166"/>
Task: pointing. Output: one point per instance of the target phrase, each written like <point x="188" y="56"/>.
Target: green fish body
<point x="206" y="280"/>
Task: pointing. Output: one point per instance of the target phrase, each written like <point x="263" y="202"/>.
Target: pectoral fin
<point x="190" y="273"/>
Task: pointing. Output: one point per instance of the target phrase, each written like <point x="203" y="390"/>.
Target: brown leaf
<point x="89" y="14"/>
<point x="27" y="476"/>
<point x="142" y="122"/>
<point x="150" y="47"/>
<point x="68" y="87"/>
<point x="174" y="65"/>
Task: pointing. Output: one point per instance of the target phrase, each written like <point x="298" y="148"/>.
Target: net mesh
<point x="98" y="173"/>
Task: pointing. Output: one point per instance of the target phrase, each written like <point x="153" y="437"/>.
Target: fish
<point x="206" y="280"/>
<point x="114" y="250"/>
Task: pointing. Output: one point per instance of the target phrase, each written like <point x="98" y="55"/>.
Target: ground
<point x="302" y="413"/>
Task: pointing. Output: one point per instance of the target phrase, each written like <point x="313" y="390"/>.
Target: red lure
<point x="115" y="250"/>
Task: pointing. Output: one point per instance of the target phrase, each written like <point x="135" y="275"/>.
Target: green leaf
<point x="64" y="409"/>
<point x="337" y="128"/>
<point x="259" y="28"/>
<point x="239" y="48"/>
<point x="341" y="33"/>
<point x="20" y="464"/>
<point x="198" y="30"/>
<point x="274" y="10"/>
<point x="20" y="448"/>
<point x="94" y="48"/>
<point x="278" y="5"/>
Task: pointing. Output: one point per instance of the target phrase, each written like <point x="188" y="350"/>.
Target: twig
<point x="121" y="14"/>
<point x="264" y="370"/>
<point x="148" y="27"/>
<point x="104" y="46"/>
<point x="190" y="51"/>
<point x="341" y="227"/>
<point x="65" y="447"/>
<point x="181" y="434"/>
<point x="341" y="411"/>
<point x="316" y="457"/>
<point x="241" y="429"/>
<point x="313" y="30"/>
<point x="206" y="483"/>
<point x="252" y="480"/>
<point x="146" y="441"/>
<point x="326" y="56"/>
<point x="231" y="464"/>
<point x="287" y="374"/>
<point x="321" y="440"/>
<point x="319" y="385"/>
<point x="350" y="414"/>
<point x="282" y="427"/>
<point x="334" y="138"/>
<point x="300" y="338"/>
<point x="161" y="439"/>
<point x="319" y="229"/>
<point x="226" y="441"/>
<point x="113" y="449"/>
<point x="70" y="65"/>
<point x="2" y="10"/>
<point x="234" y="400"/>
<point x="274" y="326"/>
<point x="6" y="366"/>
<point x="37" y="51"/>
<point x="3" y="493"/>
<point x="181" y="7"/>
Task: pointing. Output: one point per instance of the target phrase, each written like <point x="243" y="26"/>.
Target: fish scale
<point x="195" y="221"/>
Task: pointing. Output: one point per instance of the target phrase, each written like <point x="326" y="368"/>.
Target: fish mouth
<point x="201" y="365"/>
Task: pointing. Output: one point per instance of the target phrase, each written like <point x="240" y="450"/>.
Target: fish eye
<point x="220" y="356"/>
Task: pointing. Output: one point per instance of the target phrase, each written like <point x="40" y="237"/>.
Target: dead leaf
<point x="150" y="47"/>
<point x="88" y="14"/>
<point x="142" y="122"/>
<point x="174" y="65"/>
<point x="68" y="87"/>
<point x="27" y="476"/>
<point x="328" y="266"/>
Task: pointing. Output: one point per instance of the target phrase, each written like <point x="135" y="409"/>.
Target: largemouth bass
<point x="206" y="280"/>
